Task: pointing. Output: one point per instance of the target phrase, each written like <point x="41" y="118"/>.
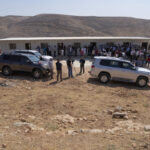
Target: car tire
<point x="6" y="71"/>
<point x="37" y="73"/>
<point x="104" y="78"/>
<point x="142" y="81"/>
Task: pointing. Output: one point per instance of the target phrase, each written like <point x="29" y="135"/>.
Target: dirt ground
<point x="75" y="114"/>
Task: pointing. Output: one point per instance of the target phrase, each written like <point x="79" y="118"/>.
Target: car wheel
<point x="6" y="71"/>
<point x="142" y="81"/>
<point x="104" y="78"/>
<point x="37" y="73"/>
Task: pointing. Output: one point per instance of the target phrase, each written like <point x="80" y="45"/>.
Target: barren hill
<point x="63" y="25"/>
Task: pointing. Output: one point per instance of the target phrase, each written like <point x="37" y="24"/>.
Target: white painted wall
<point x="4" y="45"/>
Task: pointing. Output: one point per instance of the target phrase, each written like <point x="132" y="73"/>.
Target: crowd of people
<point x="136" y="54"/>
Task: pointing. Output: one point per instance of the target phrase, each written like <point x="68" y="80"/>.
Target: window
<point x="114" y="63"/>
<point x="77" y="45"/>
<point x="12" y="46"/>
<point x="15" y="58"/>
<point x="105" y="62"/>
<point x="28" y="46"/>
<point x="126" y="65"/>
<point x="33" y="58"/>
<point x="6" y="57"/>
<point x="25" y="59"/>
<point x="44" y="45"/>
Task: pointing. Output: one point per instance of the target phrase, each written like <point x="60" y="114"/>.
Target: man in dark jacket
<point x="82" y="62"/>
<point x="59" y="70"/>
<point x="70" y="65"/>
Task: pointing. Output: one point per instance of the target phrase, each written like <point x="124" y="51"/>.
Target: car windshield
<point x="33" y="58"/>
<point x="38" y="54"/>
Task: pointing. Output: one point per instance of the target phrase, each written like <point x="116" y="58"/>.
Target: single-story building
<point x="58" y="43"/>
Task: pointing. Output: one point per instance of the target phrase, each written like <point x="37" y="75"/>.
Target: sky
<point x="125" y="8"/>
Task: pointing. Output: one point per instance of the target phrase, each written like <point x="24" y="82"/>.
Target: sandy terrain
<point x="75" y="114"/>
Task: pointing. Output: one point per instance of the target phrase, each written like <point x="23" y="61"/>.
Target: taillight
<point x="92" y="66"/>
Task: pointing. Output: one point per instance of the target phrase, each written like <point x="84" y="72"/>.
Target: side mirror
<point x="134" y="68"/>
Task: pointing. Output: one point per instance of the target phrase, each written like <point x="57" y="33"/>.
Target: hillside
<point x="63" y="25"/>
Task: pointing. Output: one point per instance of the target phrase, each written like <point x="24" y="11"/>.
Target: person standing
<point x="59" y="70"/>
<point x="69" y="65"/>
<point x="82" y="62"/>
<point x="51" y="68"/>
<point x="62" y="53"/>
<point x="148" y="61"/>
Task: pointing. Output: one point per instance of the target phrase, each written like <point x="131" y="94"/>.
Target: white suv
<point x="111" y="68"/>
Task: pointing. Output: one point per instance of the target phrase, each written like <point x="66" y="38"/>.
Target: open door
<point x="60" y="46"/>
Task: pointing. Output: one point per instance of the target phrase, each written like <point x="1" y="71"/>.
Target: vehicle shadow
<point x="116" y="84"/>
<point x="23" y="76"/>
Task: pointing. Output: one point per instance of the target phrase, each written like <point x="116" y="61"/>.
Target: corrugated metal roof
<point x="73" y="38"/>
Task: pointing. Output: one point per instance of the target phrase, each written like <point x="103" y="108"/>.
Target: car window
<point x="6" y="57"/>
<point x="25" y="59"/>
<point x="33" y="58"/>
<point x="114" y="63"/>
<point x="126" y="65"/>
<point x="38" y="54"/>
<point x="21" y="52"/>
<point x="15" y="58"/>
<point x="105" y="62"/>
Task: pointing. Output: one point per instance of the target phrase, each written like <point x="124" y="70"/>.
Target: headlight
<point x="45" y="66"/>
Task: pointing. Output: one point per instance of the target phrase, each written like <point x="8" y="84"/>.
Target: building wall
<point x="4" y="45"/>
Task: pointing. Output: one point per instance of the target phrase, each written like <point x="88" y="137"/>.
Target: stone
<point x="134" y="111"/>
<point x="147" y="128"/>
<point x="126" y="117"/>
<point x="118" y="115"/>
<point x="110" y="112"/>
<point x="64" y="118"/>
<point x="95" y="131"/>
<point x="30" y="126"/>
<point x="27" y="130"/>
<point x="3" y="146"/>
<point x="49" y="133"/>
<point x="85" y="119"/>
<point x="22" y="120"/>
<point x="92" y="131"/>
<point x="118" y="109"/>
<point x="32" y="117"/>
<point x="134" y="145"/>
<point x="72" y="132"/>
<point x="134" y="117"/>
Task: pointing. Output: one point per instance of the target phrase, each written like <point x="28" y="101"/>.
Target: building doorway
<point x="93" y="45"/>
<point x="91" y="48"/>
<point x="126" y="44"/>
<point x="60" y="46"/>
<point x="28" y="46"/>
<point x="145" y="45"/>
<point x="12" y="46"/>
<point x="44" y="45"/>
<point x="77" y="47"/>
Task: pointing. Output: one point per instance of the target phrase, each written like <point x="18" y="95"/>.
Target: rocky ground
<point x="75" y="114"/>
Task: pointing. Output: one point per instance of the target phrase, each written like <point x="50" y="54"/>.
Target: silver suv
<point x="111" y="68"/>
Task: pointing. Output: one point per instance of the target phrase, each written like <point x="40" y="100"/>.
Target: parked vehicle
<point x="110" y="68"/>
<point x="10" y="62"/>
<point x="49" y="59"/>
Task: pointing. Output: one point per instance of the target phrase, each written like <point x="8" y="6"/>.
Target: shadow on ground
<point x="22" y="76"/>
<point x="115" y="84"/>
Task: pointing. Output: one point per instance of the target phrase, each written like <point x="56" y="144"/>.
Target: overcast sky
<point x="128" y="8"/>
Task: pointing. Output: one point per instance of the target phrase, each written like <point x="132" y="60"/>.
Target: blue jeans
<point x="70" y="72"/>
